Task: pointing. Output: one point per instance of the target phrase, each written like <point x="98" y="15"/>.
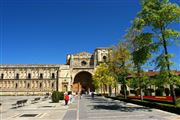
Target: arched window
<point x="104" y="59"/>
<point x="65" y="89"/>
<point x="83" y="63"/>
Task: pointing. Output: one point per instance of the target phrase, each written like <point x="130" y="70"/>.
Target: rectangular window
<point x="53" y="76"/>
<point x="41" y="76"/>
<point x="2" y="76"/>
<point x="29" y="75"/>
<point x="17" y="76"/>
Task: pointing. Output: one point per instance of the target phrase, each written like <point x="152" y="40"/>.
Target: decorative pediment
<point x="84" y="54"/>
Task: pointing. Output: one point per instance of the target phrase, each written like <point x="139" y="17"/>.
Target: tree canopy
<point x="156" y="16"/>
<point x="103" y="76"/>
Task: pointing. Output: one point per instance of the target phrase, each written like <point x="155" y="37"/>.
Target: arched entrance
<point x="83" y="83"/>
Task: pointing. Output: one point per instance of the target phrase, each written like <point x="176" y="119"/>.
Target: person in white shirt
<point x="70" y="98"/>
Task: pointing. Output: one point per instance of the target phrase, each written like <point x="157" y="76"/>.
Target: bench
<point x="35" y="100"/>
<point x="20" y="103"/>
<point x="24" y="101"/>
<point x="45" y="97"/>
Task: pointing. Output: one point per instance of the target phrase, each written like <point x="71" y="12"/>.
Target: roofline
<point x="99" y="48"/>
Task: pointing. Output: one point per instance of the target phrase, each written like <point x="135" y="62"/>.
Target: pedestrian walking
<point x="70" y="98"/>
<point x="80" y="94"/>
<point x="92" y="95"/>
<point x="66" y="98"/>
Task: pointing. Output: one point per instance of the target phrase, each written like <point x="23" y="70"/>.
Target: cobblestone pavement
<point x="42" y="110"/>
<point x="101" y="108"/>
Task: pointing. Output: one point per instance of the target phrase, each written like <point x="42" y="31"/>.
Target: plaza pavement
<point x="44" y="109"/>
<point x="99" y="108"/>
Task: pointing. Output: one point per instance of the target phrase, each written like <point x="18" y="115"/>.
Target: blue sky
<point x="44" y="31"/>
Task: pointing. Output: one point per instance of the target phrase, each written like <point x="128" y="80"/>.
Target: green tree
<point x="140" y="55"/>
<point x="176" y="79"/>
<point x="120" y="64"/>
<point x="102" y="77"/>
<point x="141" y="46"/>
<point x="158" y="15"/>
<point x="133" y="83"/>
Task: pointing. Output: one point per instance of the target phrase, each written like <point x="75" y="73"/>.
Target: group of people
<point x="68" y="97"/>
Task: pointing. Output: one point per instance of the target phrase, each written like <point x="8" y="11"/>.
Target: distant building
<point x="33" y="79"/>
<point x="38" y="79"/>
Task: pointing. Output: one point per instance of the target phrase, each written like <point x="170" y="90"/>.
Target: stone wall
<point x="41" y="78"/>
<point x="28" y="78"/>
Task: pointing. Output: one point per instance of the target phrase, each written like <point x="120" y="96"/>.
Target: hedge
<point x="178" y="102"/>
<point x="55" y="96"/>
<point x="61" y="95"/>
<point x="159" y="92"/>
<point x="165" y="107"/>
<point x="177" y="91"/>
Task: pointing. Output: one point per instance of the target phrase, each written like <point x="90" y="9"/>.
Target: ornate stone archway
<point x="83" y="82"/>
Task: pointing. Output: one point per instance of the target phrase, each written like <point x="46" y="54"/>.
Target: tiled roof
<point x="152" y="73"/>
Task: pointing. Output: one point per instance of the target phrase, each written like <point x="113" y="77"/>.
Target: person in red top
<point x="66" y="98"/>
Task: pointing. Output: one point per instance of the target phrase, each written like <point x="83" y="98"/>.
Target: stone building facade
<point x="33" y="79"/>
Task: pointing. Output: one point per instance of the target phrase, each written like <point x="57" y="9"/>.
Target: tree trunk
<point x="168" y="65"/>
<point x="124" y="86"/>
<point x="150" y="91"/>
<point x="104" y="89"/>
<point x="141" y="92"/>
<point x="101" y="89"/>
<point x="140" y="87"/>
<point x="173" y="94"/>
<point x="110" y="90"/>
<point x="125" y="96"/>
<point x="115" y="90"/>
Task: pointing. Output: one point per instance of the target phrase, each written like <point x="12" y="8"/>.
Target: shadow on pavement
<point x="108" y="104"/>
<point x="15" y="107"/>
<point x="120" y="108"/>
